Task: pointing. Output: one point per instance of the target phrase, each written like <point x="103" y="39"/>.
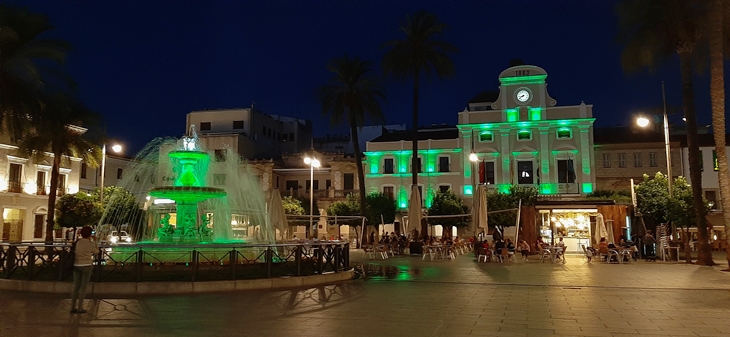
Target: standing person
<point x="649" y="242"/>
<point x="524" y="248"/>
<point x="83" y="265"/>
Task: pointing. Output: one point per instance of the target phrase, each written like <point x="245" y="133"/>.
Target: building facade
<point x="522" y="137"/>
<point x="24" y="188"/>
<point x="250" y="133"/>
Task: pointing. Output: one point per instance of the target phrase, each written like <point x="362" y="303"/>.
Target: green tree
<point x="652" y="32"/>
<point x="120" y="207"/>
<point x="497" y="201"/>
<point x="28" y="61"/>
<point x="77" y="210"/>
<point x="350" y="96"/>
<point x="292" y="206"/>
<point x="447" y="203"/>
<point x="419" y="52"/>
<point x="58" y="130"/>
<point x="349" y="207"/>
<point x="378" y="204"/>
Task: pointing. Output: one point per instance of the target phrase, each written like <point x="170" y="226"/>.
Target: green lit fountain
<point x="190" y="166"/>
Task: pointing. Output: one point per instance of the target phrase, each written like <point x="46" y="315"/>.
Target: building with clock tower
<point x="521" y="136"/>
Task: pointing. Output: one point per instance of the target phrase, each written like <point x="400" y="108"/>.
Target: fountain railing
<point x="183" y="262"/>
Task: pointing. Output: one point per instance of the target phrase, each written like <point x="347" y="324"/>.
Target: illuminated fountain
<point x="192" y="196"/>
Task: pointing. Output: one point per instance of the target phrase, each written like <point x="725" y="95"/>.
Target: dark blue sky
<point x="145" y="64"/>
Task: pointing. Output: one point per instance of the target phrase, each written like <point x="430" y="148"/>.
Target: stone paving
<point x="405" y="296"/>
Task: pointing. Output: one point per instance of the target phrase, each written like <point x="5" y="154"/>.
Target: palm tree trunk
<point x="704" y="254"/>
<point x="358" y="162"/>
<point x="717" y="95"/>
<point x="52" y="198"/>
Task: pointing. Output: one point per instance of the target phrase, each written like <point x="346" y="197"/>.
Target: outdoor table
<point x="555" y="252"/>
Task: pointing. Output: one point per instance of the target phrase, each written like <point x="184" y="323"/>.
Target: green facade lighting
<point x="403" y="197"/>
<point x="524" y="135"/>
<point x="468" y="190"/>
<point x="548" y="188"/>
<point x="503" y="188"/>
<point x="587" y="188"/>
<point x="374" y="162"/>
<point x="532" y="79"/>
<point x="564" y="132"/>
<point x="486" y="136"/>
<point x="513" y="115"/>
<point x="535" y="114"/>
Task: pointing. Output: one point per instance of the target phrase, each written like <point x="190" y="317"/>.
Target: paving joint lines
<point x="544" y="285"/>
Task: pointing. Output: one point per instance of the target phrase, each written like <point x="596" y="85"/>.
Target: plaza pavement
<point x="405" y="296"/>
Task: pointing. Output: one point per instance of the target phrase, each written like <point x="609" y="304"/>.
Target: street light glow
<point x="117" y="148"/>
<point x="307" y="160"/>
<point x="642" y="122"/>
<point x="315" y="163"/>
<point x="473" y="157"/>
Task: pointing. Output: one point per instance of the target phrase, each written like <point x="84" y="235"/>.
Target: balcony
<point x="15" y="186"/>
<point x="318" y="194"/>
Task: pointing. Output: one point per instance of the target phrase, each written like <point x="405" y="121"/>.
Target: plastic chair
<point x="545" y="253"/>
<point x="482" y="253"/>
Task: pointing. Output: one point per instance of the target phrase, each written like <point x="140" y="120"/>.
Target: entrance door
<point x="38" y="226"/>
<point x="13" y="224"/>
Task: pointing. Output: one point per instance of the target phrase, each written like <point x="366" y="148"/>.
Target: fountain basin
<point x="187" y="193"/>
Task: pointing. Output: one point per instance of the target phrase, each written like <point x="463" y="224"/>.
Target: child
<point x="524" y="249"/>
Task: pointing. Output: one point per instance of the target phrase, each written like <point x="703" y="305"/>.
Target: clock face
<point x="523" y="95"/>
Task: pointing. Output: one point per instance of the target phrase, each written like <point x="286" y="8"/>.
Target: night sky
<point x="145" y="64"/>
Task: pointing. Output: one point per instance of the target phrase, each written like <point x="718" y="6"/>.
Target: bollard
<point x="233" y="260"/>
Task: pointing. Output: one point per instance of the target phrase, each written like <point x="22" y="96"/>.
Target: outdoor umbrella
<point x="601" y="230"/>
<point x="414" y="210"/>
<point x="479" y="210"/>
<point x="277" y="217"/>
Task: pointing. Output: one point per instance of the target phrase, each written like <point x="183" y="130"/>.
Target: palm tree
<point x="652" y="31"/>
<point x="58" y="130"/>
<point x="26" y="61"/>
<point x="350" y="96"/>
<point x="717" y="95"/>
<point x="418" y="53"/>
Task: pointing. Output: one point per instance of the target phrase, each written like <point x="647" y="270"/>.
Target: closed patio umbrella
<point x="414" y="210"/>
<point x="277" y="217"/>
<point x="601" y="230"/>
<point x="479" y="209"/>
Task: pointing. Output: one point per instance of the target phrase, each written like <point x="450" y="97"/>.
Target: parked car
<point x="119" y="237"/>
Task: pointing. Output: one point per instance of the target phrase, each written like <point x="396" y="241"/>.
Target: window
<point x="40" y="182"/>
<point x="327" y="184"/>
<point x="39" y="226"/>
<point x="566" y="172"/>
<point x="711" y="197"/>
<point x="444" y="188"/>
<point x="349" y="181"/>
<point x="292" y="185"/>
<point x="388" y="166"/>
<point x="419" y="167"/>
<point x="316" y="185"/>
<point x="607" y="160"/>
<point x="525" y="172"/>
<point x="83" y="170"/>
<point x="219" y="179"/>
<point x="486" y="136"/>
<point x="443" y="164"/>
<point x="621" y="160"/>
<point x="220" y="155"/>
<point x="652" y="159"/>
<point x="119" y="173"/>
<point x="637" y="159"/>
<point x="61" y="184"/>
<point x="263" y="130"/>
<point x="524" y="135"/>
<point x="291" y="136"/>
<point x="204" y="126"/>
<point x="702" y="162"/>
<point x="389" y="191"/>
<point x="564" y="133"/>
<point x="237" y="125"/>
<point x="14" y="177"/>
<point x="486" y="172"/>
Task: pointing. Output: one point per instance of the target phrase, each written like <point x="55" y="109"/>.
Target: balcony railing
<point x="318" y="194"/>
<point x="15" y="186"/>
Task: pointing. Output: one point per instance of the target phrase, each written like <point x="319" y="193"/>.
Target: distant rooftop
<point x="434" y="132"/>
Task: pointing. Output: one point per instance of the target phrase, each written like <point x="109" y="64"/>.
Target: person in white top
<point x="84" y="252"/>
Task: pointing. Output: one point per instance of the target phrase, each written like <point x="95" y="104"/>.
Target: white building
<point x="708" y="164"/>
<point x="24" y="187"/>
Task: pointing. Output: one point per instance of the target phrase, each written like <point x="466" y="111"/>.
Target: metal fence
<point x="159" y="262"/>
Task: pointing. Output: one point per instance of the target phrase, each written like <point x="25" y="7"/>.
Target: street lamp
<point x="473" y="158"/>
<point x="644" y="122"/>
<point x="312" y="162"/>
<point x="116" y="148"/>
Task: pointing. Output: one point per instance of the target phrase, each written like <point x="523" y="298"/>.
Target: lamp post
<point x="644" y="122"/>
<point x="116" y="148"/>
<point x="473" y="158"/>
<point x="312" y="162"/>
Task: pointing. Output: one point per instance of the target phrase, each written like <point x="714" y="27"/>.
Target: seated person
<point x="603" y="243"/>
<point x="510" y="246"/>
<point x="498" y="245"/>
<point x="560" y="243"/>
<point x="611" y="245"/>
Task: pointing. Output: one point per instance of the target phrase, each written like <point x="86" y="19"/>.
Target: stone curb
<point x="170" y="288"/>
